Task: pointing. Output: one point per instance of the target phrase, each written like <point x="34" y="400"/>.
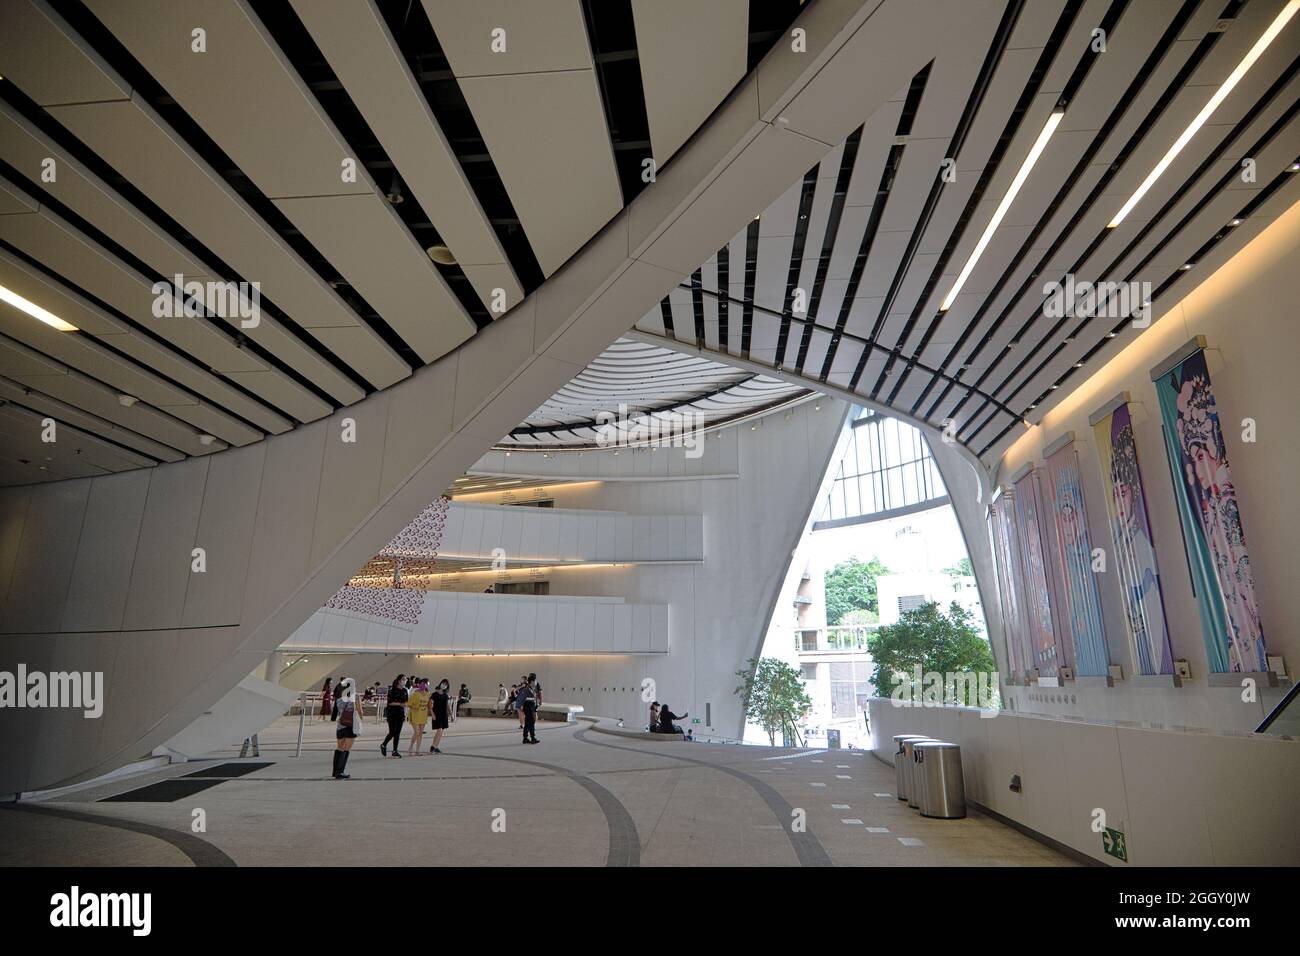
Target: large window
<point x="886" y="466"/>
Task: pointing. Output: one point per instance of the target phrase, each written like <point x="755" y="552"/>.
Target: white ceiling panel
<point x="36" y="46"/>
<point x="541" y="36"/>
<point x="691" y="55"/>
<point x="547" y="134"/>
<point x="364" y="56"/>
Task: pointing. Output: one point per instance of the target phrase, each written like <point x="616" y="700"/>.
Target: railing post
<point x="302" y="720"/>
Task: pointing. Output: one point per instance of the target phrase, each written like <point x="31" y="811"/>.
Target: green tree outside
<point x="937" y="642"/>
<point x="961" y="569"/>
<point x="773" y="695"/>
<point x="851" y="586"/>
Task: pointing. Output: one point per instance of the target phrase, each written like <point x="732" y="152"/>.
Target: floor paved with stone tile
<point x="579" y="798"/>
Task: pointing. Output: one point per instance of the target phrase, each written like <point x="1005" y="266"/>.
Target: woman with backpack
<point x="349" y="725"/>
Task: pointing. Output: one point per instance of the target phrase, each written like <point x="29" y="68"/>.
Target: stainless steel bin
<point x="909" y="777"/>
<point x="900" y="783"/>
<point x="936" y="771"/>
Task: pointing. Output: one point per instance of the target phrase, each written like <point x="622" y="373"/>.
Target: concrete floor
<point x="580" y="798"/>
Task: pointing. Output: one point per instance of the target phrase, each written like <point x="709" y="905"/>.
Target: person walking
<point x="349" y="725"/>
<point x="441" y="708"/>
<point x="395" y="712"/>
<point x="527" y="704"/>
<point x="326" y="700"/>
<point x="417" y="706"/>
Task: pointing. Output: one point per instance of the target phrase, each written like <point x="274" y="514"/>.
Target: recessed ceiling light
<point x="1186" y="265"/>
<point x="1078" y="365"/>
<point x="1211" y="105"/>
<point x="1035" y="151"/>
<point x="35" y="311"/>
<point x="126" y="401"/>
<point x="441" y="255"/>
<point x="1111" y="335"/>
<point x="1293" y="168"/>
<point x="1235" y="222"/>
<point x="206" y="439"/>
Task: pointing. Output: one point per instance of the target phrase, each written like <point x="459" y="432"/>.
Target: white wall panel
<point x="102" y="570"/>
<point x="161" y="573"/>
<point x="47" y="547"/>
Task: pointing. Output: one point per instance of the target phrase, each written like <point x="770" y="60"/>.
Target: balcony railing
<point x="841" y="637"/>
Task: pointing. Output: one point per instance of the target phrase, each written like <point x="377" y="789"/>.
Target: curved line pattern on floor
<point x="807" y="848"/>
<point x="624" y="843"/>
<point x="200" y="852"/>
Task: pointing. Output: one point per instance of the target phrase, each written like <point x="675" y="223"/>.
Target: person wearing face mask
<point x="395" y="712"/>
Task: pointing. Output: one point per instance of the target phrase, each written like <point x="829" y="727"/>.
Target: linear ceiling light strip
<point x="1026" y="167"/>
<point x="1255" y="52"/>
<point x="1179" y="195"/>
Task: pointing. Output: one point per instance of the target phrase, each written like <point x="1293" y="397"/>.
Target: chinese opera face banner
<point x="1006" y="554"/>
<point x="1081" y="610"/>
<point x="1207" y="506"/>
<point x="1135" y="551"/>
<point x="1049" y="653"/>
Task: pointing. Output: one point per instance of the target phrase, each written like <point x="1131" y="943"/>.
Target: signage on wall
<point x="695" y="720"/>
<point x="1112" y="842"/>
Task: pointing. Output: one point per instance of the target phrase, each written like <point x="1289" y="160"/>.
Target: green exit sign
<point x="1112" y="841"/>
<point x="695" y="720"/>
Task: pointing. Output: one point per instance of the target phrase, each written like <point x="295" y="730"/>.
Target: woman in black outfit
<point x="441" y="707"/>
<point x="396" y="714"/>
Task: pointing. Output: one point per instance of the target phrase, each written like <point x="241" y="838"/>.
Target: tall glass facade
<point x="886" y="466"/>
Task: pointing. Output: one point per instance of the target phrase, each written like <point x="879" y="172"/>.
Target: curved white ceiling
<point x="643" y="383"/>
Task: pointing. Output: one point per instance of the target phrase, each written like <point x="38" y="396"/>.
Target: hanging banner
<point x="1080" y="604"/>
<point x="1050" y="653"/>
<point x="1006" y="556"/>
<point x="1207" y="507"/>
<point x="1130" y="533"/>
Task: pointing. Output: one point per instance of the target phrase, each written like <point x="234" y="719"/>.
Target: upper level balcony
<point x="840" y="639"/>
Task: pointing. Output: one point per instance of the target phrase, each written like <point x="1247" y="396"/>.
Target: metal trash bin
<point x="937" y="779"/>
<point x="909" y="777"/>
<point x="900" y="784"/>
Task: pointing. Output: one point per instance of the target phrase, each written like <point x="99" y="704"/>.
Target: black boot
<point x="337" y="755"/>
<point x="343" y="764"/>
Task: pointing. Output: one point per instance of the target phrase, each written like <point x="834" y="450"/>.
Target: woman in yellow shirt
<point x="417" y="706"/>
